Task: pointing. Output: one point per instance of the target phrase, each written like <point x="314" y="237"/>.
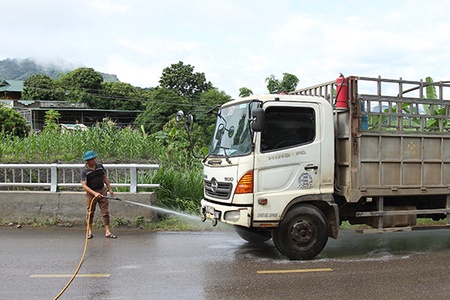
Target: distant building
<point x="11" y="89"/>
<point x="71" y="113"/>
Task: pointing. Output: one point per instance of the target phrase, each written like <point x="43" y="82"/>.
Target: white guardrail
<point x="59" y="176"/>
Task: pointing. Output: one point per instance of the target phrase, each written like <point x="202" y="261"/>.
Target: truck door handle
<point x="311" y="167"/>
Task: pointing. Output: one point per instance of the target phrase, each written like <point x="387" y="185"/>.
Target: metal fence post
<point x="54" y="178"/>
<point x="133" y="178"/>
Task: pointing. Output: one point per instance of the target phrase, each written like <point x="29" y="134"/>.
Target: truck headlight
<point x="232" y="216"/>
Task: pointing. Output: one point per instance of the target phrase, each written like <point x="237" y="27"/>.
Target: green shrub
<point x="12" y="123"/>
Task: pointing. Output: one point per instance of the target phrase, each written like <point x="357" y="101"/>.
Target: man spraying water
<point x="93" y="181"/>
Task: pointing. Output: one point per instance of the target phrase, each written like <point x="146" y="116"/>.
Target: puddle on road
<point x="351" y="246"/>
<point x="385" y="246"/>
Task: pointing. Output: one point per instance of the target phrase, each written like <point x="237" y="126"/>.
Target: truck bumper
<point x="235" y="215"/>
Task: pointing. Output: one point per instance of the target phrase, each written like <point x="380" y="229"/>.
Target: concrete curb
<point x="28" y="206"/>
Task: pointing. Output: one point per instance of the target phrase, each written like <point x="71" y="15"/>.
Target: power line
<point x="113" y="97"/>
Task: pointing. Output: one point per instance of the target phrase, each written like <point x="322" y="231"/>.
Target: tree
<point x="181" y="79"/>
<point x="182" y="89"/>
<point x="161" y="107"/>
<point x="41" y="87"/>
<point x="212" y="98"/>
<point x="430" y="89"/>
<point x="287" y="84"/>
<point x="51" y="120"/>
<point x="13" y="123"/>
<point x="194" y="92"/>
<point x="432" y="109"/>
<point x="119" y="95"/>
<point x="82" y="85"/>
<point x="273" y="84"/>
<point x="245" y="92"/>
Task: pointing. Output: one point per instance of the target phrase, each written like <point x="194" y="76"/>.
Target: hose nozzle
<point x="112" y="198"/>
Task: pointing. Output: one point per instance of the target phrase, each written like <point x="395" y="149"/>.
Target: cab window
<point x="286" y="127"/>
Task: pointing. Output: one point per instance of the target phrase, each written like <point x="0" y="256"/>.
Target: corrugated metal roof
<point x="11" y="86"/>
<point x="6" y="102"/>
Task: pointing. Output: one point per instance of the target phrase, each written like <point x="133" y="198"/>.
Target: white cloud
<point x="142" y="75"/>
<point x="236" y="43"/>
<point x="108" y="6"/>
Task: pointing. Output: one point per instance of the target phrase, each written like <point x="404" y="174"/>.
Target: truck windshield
<point x="232" y="134"/>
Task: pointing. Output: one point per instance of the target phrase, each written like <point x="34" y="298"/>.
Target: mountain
<point x="22" y="69"/>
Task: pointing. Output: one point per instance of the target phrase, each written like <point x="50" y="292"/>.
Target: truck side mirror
<point x="189" y="119"/>
<point x="258" y="119"/>
<point x="179" y="116"/>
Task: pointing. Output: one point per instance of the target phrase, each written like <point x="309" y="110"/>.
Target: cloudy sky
<point x="236" y="43"/>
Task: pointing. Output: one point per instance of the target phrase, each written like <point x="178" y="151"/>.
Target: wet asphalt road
<point x="35" y="263"/>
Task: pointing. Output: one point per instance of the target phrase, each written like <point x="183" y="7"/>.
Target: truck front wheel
<point x="253" y="235"/>
<point x="302" y="234"/>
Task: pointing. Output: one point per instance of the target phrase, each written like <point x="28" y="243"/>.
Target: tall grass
<point x="180" y="189"/>
<point x="179" y="175"/>
<point x="53" y="146"/>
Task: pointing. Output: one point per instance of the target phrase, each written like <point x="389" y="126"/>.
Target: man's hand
<point x="98" y="195"/>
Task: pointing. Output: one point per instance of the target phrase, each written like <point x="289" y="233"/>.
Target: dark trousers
<point x="102" y="203"/>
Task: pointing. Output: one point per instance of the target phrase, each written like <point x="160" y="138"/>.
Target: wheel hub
<point x="302" y="232"/>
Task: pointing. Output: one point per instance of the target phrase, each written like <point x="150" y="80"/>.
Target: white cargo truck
<point x="293" y="167"/>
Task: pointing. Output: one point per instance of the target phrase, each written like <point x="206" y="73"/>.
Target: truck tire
<point x="302" y="234"/>
<point x="253" y="235"/>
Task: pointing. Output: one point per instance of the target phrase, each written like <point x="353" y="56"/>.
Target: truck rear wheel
<point x="302" y="234"/>
<point x="253" y="235"/>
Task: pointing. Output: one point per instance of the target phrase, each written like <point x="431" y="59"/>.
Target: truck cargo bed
<point x="391" y="140"/>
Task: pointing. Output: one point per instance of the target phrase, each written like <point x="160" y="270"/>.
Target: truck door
<point x="287" y="160"/>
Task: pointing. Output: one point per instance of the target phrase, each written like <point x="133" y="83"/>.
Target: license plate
<point x="209" y="210"/>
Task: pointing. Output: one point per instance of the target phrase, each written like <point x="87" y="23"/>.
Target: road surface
<point x="37" y="263"/>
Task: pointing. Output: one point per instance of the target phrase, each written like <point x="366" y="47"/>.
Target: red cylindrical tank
<point x="341" y="92"/>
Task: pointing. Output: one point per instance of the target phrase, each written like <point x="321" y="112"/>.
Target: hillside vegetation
<point x="23" y="69"/>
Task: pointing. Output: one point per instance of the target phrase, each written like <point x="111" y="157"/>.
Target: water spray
<point x="155" y="208"/>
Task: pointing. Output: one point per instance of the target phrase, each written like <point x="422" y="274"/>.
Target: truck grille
<point x="221" y="190"/>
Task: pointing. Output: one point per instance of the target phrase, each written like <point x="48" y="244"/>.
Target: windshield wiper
<point x="227" y="158"/>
